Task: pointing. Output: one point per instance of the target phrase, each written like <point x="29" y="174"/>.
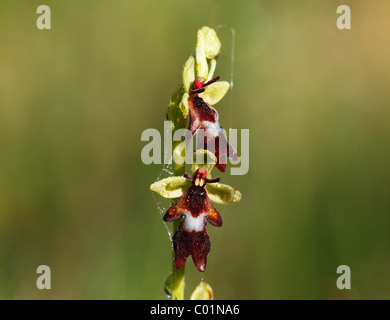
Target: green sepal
<point x="172" y="187"/>
<point x="223" y="194"/>
<point x="188" y="73"/>
<point x="215" y="92"/>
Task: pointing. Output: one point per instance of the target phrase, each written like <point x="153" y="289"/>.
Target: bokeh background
<point x="74" y="194"/>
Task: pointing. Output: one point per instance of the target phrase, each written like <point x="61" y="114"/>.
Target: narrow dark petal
<point x="188" y="177"/>
<point x="197" y="91"/>
<point x="213" y="180"/>
<point x="211" y="81"/>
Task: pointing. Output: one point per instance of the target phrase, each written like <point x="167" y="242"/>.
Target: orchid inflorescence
<point x="191" y="106"/>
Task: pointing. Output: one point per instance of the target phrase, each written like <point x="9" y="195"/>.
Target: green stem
<point x="178" y="276"/>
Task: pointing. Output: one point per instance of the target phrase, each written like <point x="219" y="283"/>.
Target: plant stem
<point x="178" y="276"/>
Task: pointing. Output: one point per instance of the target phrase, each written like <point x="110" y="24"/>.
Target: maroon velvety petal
<point x="181" y="247"/>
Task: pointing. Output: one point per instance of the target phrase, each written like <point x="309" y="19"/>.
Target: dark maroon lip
<point x="194" y="243"/>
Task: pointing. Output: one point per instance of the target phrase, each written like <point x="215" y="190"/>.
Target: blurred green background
<point x="74" y="194"/>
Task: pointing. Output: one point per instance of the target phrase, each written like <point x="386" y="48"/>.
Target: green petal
<point x="223" y="193"/>
<point x="172" y="187"/>
<point x="202" y="292"/>
<point x="188" y="73"/>
<point x="215" y="92"/>
<point x="209" y="161"/>
<point x="183" y="105"/>
<point x="212" y="43"/>
<point x="213" y="65"/>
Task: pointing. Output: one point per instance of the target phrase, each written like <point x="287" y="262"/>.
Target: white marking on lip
<point x="212" y="129"/>
<point x="194" y="224"/>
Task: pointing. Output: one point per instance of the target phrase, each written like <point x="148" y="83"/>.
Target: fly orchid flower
<point x="201" y="92"/>
<point x="203" y="116"/>
<point x="194" y="206"/>
<point x="195" y="209"/>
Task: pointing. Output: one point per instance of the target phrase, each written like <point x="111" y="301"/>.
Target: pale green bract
<point x="174" y="113"/>
<point x="183" y="105"/>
